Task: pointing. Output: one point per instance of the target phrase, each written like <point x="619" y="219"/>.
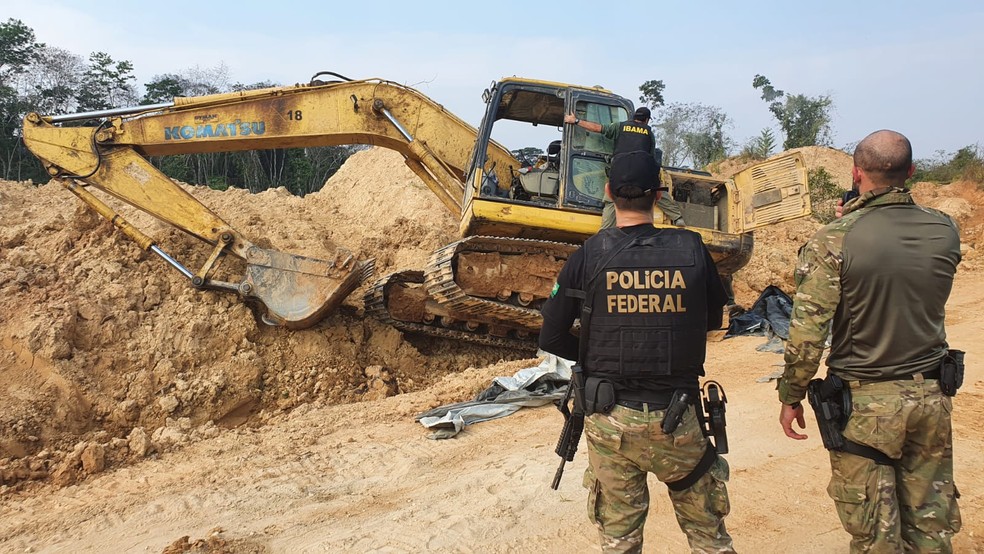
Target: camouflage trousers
<point x="623" y="447"/>
<point x="909" y="506"/>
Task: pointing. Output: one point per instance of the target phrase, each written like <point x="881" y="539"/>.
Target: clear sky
<point x="913" y="66"/>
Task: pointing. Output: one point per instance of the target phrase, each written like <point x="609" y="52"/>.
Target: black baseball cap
<point x="634" y="169"/>
<point x="642" y="113"/>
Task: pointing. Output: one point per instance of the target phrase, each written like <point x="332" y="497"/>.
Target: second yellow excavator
<point x="519" y="221"/>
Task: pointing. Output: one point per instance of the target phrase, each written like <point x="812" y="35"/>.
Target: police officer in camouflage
<point x="881" y="274"/>
<point x="634" y="135"/>
<point x="653" y="294"/>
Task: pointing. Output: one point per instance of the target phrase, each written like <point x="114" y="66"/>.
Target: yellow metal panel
<point x="770" y="192"/>
<point x="489" y="217"/>
<point x="69" y="148"/>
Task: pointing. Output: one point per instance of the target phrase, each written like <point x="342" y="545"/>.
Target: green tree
<point x="106" y="83"/>
<point x="163" y="88"/>
<point x="966" y="163"/>
<point x="824" y="194"/>
<point x="766" y="142"/>
<point x="760" y="147"/>
<point x="652" y="94"/>
<point x="804" y="120"/>
<point x="18" y="50"/>
<point x="692" y="133"/>
<point x="528" y="154"/>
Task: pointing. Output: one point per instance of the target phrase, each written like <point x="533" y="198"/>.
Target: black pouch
<point x="952" y="372"/>
<point x="599" y="396"/>
<point x="679" y="405"/>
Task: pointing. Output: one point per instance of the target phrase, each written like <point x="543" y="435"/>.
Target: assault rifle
<point x="570" y="435"/>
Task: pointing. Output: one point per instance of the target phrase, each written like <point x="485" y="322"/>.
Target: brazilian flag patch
<point x="555" y="289"/>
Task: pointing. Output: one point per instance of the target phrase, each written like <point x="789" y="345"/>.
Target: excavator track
<point x="399" y="299"/>
<point x="464" y="289"/>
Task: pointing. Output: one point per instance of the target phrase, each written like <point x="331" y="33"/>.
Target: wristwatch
<point x="577" y="120"/>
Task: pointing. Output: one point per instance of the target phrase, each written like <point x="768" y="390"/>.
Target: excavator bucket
<point x="296" y="291"/>
<point x="292" y="291"/>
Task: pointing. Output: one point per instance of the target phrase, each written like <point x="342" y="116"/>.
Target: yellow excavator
<point x="520" y="219"/>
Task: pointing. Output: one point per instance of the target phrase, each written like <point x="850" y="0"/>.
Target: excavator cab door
<point x="770" y="192"/>
<point x="585" y="156"/>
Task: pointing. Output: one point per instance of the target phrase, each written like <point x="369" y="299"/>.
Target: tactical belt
<point x="643" y="406"/>
<point x="710" y="454"/>
<point x="653" y="400"/>
<point x="931" y="374"/>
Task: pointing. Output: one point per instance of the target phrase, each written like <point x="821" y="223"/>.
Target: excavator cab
<point x="562" y="200"/>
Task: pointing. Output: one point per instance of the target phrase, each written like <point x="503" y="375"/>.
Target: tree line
<point x="696" y="134"/>
<point x="36" y="77"/>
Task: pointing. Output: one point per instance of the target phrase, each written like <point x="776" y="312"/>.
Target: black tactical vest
<point x="633" y="137"/>
<point x="648" y="305"/>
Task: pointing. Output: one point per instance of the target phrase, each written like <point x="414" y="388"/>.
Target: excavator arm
<point x="295" y="291"/>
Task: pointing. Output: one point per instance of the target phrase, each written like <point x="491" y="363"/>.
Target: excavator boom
<point x="435" y="143"/>
<point x="295" y="291"/>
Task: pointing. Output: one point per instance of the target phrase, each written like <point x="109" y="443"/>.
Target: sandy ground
<point x="138" y="415"/>
<point x="364" y="477"/>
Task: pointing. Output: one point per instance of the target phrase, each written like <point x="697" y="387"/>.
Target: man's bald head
<point x="885" y="157"/>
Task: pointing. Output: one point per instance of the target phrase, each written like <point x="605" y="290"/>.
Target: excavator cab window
<point x="590" y="153"/>
<point x="598" y="113"/>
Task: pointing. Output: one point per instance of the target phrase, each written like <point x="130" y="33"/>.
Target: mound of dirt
<point x="108" y="354"/>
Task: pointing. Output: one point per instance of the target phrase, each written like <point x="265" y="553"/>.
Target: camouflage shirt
<point x="878" y="278"/>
